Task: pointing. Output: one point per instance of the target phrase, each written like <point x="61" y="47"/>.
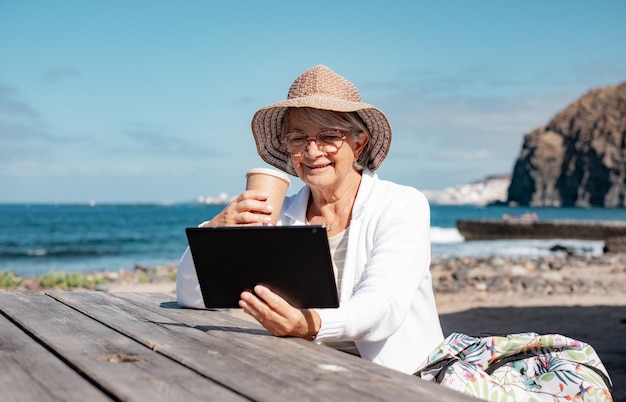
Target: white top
<point x="387" y="305"/>
<point x="338" y="244"/>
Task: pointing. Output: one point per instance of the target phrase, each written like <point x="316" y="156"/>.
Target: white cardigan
<point x="387" y="304"/>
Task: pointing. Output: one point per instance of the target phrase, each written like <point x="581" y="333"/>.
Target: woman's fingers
<point x="249" y="208"/>
<point x="274" y="301"/>
<point x="251" y="305"/>
<point x="278" y="316"/>
<point x="263" y="302"/>
<point x="272" y="311"/>
<point x="254" y="207"/>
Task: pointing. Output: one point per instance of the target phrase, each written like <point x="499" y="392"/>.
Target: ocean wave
<point x="439" y="235"/>
<point x="519" y="247"/>
<point x="57" y="253"/>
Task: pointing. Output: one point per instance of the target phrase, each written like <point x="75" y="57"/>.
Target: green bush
<point x="171" y="275"/>
<point x="9" y="280"/>
<point x="51" y="280"/>
<point x="144" y="277"/>
<point x="64" y="281"/>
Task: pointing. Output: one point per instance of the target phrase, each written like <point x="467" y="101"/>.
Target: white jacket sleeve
<point x="188" y="292"/>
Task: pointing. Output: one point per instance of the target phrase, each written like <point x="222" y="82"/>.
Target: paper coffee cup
<point x="274" y="182"/>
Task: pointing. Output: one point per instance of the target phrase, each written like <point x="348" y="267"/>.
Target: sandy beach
<point x="600" y="281"/>
<point x="463" y="284"/>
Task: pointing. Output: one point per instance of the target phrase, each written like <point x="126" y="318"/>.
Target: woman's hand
<point x="250" y="208"/>
<point x="278" y="316"/>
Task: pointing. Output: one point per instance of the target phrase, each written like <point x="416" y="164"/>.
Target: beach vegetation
<point x="144" y="277"/>
<point x="9" y="280"/>
<point x="171" y="275"/>
<point x="88" y="280"/>
<point x="69" y="281"/>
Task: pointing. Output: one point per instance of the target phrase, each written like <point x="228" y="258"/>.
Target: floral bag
<point x="519" y="367"/>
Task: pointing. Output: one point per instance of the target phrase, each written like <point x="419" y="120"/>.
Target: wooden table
<point x="95" y="346"/>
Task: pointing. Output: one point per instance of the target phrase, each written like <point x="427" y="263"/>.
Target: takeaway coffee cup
<point x="274" y="182"/>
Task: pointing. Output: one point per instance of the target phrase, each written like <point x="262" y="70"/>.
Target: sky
<point x="151" y="101"/>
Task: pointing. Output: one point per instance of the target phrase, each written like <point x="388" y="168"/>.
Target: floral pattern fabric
<point x="519" y="367"/>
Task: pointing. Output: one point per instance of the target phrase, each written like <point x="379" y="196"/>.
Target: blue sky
<point x="151" y="101"/>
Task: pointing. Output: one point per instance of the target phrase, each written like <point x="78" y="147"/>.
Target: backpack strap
<point x="505" y="360"/>
<point x="440" y="367"/>
<point x="525" y="355"/>
<point x="443" y="366"/>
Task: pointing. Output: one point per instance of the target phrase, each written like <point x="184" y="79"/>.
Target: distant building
<point x="221" y="199"/>
<point x="483" y="192"/>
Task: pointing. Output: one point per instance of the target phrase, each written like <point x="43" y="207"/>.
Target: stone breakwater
<point x="539" y="276"/>
<point x="612" y="232"/>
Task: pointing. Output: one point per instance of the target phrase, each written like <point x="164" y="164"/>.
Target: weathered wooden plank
<point x="28" y="372"/>
<point x="218" y="354"/>
<point x="243" y="356"/>
<point x="124" y="368"/>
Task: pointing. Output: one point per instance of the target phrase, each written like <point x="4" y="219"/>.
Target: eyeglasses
<point x="328" y="141"/>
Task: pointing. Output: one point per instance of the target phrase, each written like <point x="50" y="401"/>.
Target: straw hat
<point x="319" y="88"/>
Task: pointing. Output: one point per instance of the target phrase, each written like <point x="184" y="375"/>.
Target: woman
<point x="378" y="230"/>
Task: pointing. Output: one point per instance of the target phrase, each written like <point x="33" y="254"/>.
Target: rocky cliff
<point x="578" y="158"/>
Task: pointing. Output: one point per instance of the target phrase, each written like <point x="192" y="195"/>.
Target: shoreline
<point x="460" y="283"/>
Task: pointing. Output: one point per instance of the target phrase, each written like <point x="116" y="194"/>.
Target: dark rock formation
<point x="579" y="158"/>
<point x="612" y="232"/>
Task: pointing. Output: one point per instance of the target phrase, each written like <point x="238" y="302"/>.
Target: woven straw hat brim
<point x="267" y="126"/>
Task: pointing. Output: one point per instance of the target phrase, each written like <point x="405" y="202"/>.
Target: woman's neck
<point x="333" y="207"/>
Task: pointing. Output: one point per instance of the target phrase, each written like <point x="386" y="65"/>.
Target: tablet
<point x="292" y="261"/>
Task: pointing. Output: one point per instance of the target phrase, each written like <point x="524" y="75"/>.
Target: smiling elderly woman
<point x="378" y="230"/>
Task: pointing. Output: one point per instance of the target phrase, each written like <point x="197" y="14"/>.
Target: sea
<point x="37" y="239"/>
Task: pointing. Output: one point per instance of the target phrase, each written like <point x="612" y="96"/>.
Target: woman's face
<point x="317" y="168"/>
